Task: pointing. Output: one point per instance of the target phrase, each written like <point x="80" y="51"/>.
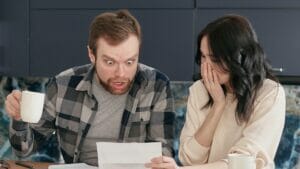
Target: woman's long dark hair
<point x="235" y="48"/>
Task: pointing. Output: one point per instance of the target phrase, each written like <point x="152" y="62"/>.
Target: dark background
<point x="44" y="37"/>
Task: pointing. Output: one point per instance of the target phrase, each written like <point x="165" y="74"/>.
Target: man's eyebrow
<point x="108" y="57"/>
<point x="133" y="57"/>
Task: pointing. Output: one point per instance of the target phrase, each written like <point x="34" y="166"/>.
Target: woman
<point x="237" y="107"/>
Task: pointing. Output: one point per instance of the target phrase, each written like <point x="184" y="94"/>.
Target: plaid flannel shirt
<point x="70" y="108"/>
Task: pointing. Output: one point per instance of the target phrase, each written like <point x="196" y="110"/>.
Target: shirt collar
<point x="86" y="83"/>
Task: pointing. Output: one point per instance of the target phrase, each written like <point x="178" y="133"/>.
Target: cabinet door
<point x="14" y="37"/>
<point x="248" y="4"/>
<point x="168" y="41"/>
<point x="276" y="27"/>
<point x="59" y="40"/>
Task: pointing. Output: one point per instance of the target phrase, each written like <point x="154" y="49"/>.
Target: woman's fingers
<point x="215" y="77"/>
<point x="204" y="75"/>
<point x="210" y="75"/>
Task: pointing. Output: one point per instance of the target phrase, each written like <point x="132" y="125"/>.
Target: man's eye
<point x="130" y="62"/>
<point x="109" y="62"/>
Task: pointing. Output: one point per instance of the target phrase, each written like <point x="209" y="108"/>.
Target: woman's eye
<point x="202" y="55"/>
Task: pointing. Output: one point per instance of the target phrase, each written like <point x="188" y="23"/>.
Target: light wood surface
<point x="35" y="165"/>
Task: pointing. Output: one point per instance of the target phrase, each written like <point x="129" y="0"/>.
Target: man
<point x="114" y="98"/>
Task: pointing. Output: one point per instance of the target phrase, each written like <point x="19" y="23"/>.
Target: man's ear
<point x="91" y="55"/>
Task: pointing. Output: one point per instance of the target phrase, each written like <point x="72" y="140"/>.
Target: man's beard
<point x="112" y="82"/>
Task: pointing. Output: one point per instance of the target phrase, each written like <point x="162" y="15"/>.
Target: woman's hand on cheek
<point x="212" y="84"/>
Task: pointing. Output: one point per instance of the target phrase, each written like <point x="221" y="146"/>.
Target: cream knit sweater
<point x="259" y="137"/>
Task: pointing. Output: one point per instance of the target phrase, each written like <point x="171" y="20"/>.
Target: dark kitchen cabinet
<point x="275" y="23"/>
<point x="42" y="37"/>
<point x="14" y="37"/>
<point x="59" y="40"/>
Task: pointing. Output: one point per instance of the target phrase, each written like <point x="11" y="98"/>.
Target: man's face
<point x="116" y="65"/>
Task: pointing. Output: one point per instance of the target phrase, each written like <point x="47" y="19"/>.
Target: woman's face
<point x="207" y="58"/>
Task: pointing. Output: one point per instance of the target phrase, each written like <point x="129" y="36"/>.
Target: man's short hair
<point x="114" y="27"/>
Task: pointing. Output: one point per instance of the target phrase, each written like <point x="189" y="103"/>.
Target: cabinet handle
<point x="277" y="70"/>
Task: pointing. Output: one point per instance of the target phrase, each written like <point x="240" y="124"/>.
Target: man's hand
<point x="12" y="104"/>
<point x="162" y="162"/>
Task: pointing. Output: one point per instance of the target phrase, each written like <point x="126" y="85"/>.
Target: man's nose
<point x="120" y="72"/>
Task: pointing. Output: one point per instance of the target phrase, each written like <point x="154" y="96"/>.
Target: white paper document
<point x="72" y="166"/>
<point x="126" y="155"/>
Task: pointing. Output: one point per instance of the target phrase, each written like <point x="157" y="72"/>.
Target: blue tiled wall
<point x="287" y="157"/>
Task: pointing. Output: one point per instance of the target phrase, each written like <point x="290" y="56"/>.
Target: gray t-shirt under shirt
<point x="106" y="124"/>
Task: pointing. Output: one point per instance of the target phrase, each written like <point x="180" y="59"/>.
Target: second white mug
<point x="241" y="161"/>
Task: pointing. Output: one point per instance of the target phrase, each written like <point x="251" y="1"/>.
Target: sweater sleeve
<point x="262" y="134"/>
<point x="190" y="151"/>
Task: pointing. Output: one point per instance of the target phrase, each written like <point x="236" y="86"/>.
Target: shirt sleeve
<point x="190" y="151"/>
<point x="25" y="137"/>
<point x="262" y="134"/>
<point x="161" y="127"/>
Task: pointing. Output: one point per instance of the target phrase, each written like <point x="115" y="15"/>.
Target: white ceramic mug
<point x="32" y="104"/>
<point x="241" y="161"/>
